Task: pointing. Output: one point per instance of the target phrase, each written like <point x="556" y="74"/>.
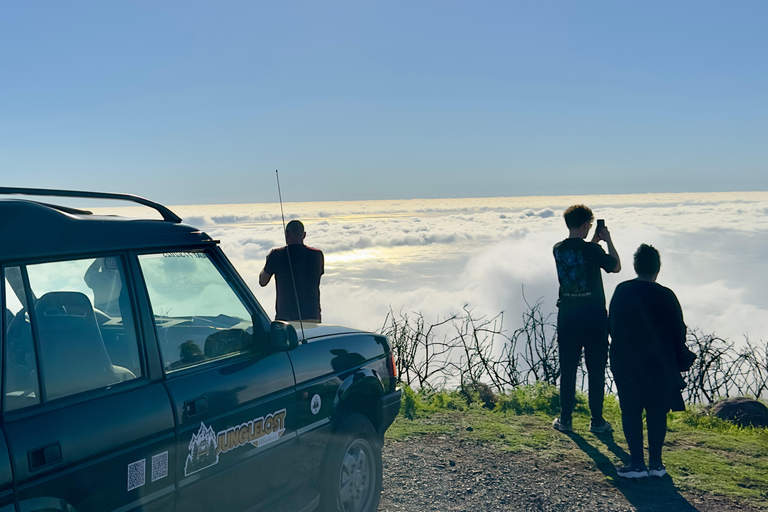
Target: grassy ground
<point x="701" y="453"/>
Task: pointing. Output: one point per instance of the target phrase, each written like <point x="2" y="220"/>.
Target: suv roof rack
<point x="167" y="214"/>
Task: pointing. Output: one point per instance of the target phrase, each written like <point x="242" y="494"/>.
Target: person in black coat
<point x="647" y="353"/>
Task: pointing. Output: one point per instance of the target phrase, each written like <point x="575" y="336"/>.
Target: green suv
<point x="140" y="373"/>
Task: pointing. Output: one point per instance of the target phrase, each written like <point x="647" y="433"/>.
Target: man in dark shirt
<point x="297" y="270"/>
<point x="648" y="353"/>
<point x="581" y="317"/>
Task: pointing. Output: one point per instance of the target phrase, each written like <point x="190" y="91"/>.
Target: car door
<point x="87" y="428"/>
<point x="234" y="401"/>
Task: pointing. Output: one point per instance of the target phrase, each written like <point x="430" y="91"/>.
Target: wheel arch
<point x="360" y="393"/>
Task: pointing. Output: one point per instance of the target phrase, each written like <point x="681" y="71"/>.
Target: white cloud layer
<point x="434" y="256"/>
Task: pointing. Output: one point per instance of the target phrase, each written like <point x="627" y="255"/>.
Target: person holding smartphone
<point x="582" y="321"/>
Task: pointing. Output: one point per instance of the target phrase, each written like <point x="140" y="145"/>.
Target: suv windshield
<point x="197" y="314"/>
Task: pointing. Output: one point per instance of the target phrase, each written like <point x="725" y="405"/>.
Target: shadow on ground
<point x="645" y="494"/>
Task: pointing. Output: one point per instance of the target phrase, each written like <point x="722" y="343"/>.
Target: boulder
<point x="742" y="411"/>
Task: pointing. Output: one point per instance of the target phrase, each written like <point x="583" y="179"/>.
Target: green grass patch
<point x="719" y="473"/>
<point x="702" y="453"/>
<point x="404" y="428"/>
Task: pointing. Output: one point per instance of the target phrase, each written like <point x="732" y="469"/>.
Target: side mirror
<point x="282" y="336"/>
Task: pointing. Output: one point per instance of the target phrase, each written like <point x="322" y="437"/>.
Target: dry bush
<point x="721" y="370"/>
<point x="473" y="353"/>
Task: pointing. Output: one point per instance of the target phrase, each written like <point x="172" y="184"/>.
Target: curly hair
<point x="577" y="215"/>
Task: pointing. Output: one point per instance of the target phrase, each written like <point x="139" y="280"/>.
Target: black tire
<point x="352" y="470"/>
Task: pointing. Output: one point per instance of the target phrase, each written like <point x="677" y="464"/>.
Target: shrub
<point x="464" y="347"/>
<point x="538" y="397"/>
<point x="698" y="416"/>
<point x="415" y="404"/>
<point x="409" y="403"/>
<point x="451" y="400"/>
<point x="478" y="392"/>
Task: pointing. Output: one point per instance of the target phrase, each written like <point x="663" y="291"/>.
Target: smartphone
<point x="600" y="225"/>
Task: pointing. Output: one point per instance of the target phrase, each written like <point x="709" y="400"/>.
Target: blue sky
<point x="199" y="102"/>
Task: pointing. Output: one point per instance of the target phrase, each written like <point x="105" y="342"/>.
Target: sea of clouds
<point x="434" y="256"/>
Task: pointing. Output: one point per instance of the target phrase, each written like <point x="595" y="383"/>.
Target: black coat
<point x="648" y="342"/>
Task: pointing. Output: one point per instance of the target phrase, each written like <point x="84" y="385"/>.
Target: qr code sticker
<point x="137" y="472"/>
<point x="159" y="466"/>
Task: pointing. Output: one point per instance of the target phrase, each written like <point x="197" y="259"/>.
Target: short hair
<point x="295" y="227"/>
<point x="647" y="260"/>
<point x="577" y="215"/>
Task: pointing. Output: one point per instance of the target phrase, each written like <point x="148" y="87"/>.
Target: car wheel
<point x="352" y="473"/>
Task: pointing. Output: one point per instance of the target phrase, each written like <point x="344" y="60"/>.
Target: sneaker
<point x="562" y="426"/>
<point x="632" y="471"/>
<point x="601" y="429"/>
<point x="657" y="470"/>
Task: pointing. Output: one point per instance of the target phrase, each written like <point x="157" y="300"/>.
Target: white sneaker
<point x="632" y="472"/>
<point x="657" y="470"/>
<point x="602" y="429"/>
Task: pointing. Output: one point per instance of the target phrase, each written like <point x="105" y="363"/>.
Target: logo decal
<point x="315" y="405"/>
<point x="205" y="446"/>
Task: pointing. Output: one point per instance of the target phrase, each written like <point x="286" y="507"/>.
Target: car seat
<point x="72" y="353"/>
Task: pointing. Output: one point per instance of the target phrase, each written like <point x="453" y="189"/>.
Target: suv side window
<point x="198" y="316"/>
<point x="83" y="331"/>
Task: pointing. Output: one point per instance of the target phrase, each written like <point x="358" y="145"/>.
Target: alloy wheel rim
<point x="356" y="478"/>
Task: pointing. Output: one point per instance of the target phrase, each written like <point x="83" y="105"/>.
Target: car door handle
<point x="196" y="406"/>
<point x="44" y="456"/>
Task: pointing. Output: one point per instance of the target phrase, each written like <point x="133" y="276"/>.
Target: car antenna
<point x="290" y="265"/>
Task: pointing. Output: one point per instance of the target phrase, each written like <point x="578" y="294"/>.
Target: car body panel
<point x="106" y="447"/>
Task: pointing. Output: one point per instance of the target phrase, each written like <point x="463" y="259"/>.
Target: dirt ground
<point x="445" y="473"/>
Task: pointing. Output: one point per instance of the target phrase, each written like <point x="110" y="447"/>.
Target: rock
<point x="742" y="411"/>
<point x="470" y="429"/>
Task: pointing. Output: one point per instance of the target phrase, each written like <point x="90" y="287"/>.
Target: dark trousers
<point x="636" y="395"/>
<point x="582" y="328"/>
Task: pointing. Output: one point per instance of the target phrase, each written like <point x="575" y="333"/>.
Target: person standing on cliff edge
<point x="648" y="352"/>
<point x="307" y="264"/>
<point x="582" y="321"/>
